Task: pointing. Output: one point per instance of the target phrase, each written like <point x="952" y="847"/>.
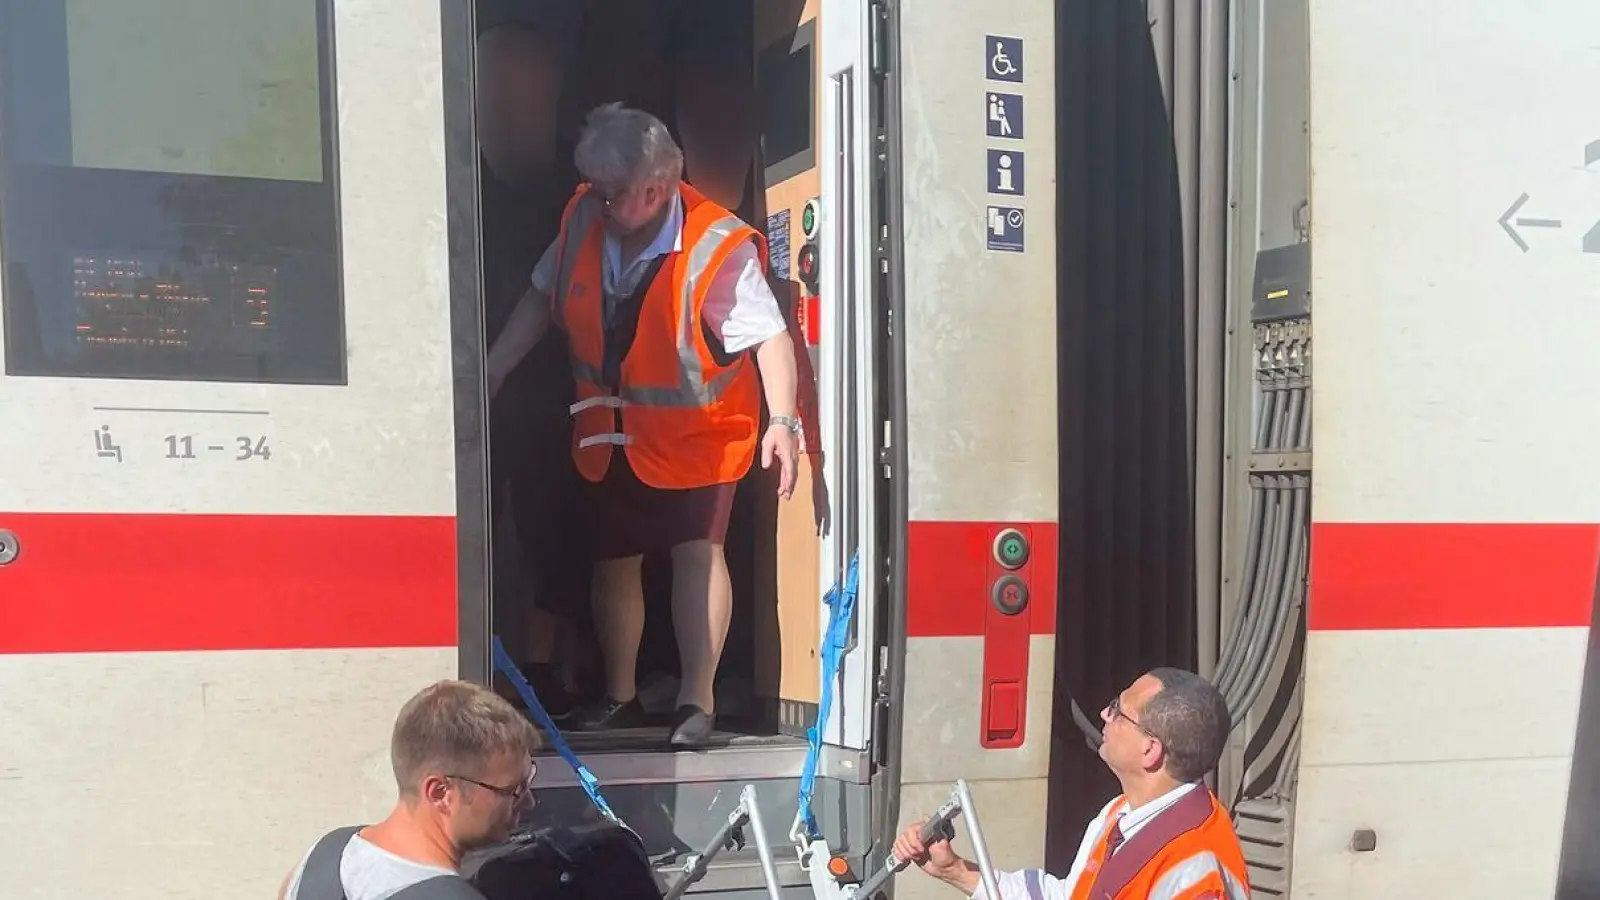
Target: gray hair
<point x="620" y="146"/>
<point x="1190" y="718"/>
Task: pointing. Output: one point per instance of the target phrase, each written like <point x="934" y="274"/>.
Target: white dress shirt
<point x="740" y="306"/>
<point x="1037" y="884"/>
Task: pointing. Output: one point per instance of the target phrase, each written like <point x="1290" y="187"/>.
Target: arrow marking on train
<point x="1505" y="222"/>
<point x="1523" y="222"/>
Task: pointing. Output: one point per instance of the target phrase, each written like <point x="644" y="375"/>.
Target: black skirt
<point x="629" y="518"/>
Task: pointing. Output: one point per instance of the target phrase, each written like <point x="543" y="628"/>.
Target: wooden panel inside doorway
<point x="788" y="67"/>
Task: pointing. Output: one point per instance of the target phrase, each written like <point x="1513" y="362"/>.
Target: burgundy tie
<point x="1114" y="839"/>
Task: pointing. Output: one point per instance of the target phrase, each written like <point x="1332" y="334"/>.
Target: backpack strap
<point x="319" y="880"/>
<point x="440" y="887"/>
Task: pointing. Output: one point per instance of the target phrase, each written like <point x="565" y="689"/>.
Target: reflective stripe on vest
<point x="693" y="390"/>
<point x="1202" y="870"/>
<point x="607" y="400"/>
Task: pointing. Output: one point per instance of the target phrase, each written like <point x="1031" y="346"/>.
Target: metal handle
<point x="941" y="827"/>
<point x="9" y="548"/>
<point x="842" y="281"/>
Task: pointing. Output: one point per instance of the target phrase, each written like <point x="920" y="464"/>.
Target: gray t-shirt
<point x="370" y="872"/>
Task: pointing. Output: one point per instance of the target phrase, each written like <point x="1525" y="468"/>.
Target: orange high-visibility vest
<point x="684" y="418"/>
<point x="1189" y="851"/>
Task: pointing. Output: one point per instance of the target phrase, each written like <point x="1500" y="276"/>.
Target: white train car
<point x="1052" y="265"/>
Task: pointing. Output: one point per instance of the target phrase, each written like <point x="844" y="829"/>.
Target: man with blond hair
<point x="463" y="763"/>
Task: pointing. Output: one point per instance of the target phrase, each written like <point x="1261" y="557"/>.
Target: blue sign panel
<point x="1005" y="172"/>
<point x="1003" y="115"/>
<point x="1005" y="227"/>
<point x="1002" y="58"/>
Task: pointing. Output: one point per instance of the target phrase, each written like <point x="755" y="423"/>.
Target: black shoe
<point x="605" y="714"/>
<point x="552" y="694"/>
<point x="692" y="727"/>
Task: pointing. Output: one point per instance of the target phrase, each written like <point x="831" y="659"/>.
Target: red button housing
<point x="1006" y="645"/>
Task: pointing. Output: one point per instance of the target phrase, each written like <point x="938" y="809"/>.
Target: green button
<point x="1011" y="548"/>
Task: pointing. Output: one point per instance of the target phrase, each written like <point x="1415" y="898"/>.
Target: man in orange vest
<point x="663" y="298"/>
<point x="1165" y="837"/>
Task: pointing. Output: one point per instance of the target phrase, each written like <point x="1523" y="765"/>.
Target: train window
<point x="788" y="116"/>
<point x="168" y="190"/>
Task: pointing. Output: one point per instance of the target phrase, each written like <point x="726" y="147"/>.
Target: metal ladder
<point x="815" y="855"/>
<point x="731" y="834"/>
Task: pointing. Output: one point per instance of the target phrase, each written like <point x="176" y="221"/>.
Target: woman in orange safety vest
<point x="674" y="336"/>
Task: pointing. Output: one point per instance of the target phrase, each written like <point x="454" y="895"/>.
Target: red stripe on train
<point x="127" y="583"/>
<point x="1396" y="576"/>
<point x="951" y="568"/>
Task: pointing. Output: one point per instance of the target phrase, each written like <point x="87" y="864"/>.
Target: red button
<point x="1005" y="710"/>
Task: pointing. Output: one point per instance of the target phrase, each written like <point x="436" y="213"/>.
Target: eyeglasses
<point x="1116" y="711"/>
<point x="611" y="196"/>
<point x="513" y="793"/>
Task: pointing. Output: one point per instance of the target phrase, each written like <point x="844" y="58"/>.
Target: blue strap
<point x="590" y="784"/>
<point x="841" y="603"/>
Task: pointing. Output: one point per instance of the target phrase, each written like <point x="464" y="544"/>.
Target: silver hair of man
<point x="620" y="146"/>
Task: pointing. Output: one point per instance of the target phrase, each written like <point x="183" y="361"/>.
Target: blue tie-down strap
<point x="590" y="784"/>
<point x="841" y="603"/>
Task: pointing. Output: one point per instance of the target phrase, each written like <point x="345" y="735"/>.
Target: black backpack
<point x="592" y="861"/>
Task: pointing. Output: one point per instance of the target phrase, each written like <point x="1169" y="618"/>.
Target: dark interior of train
<point x="542" y="65"/>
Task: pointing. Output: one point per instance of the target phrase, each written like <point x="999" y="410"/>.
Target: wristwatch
<point x="790" y="422"/>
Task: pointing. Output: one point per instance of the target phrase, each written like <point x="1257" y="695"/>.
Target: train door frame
<point x="458" y="62"/>
<point x="848" y="768"/>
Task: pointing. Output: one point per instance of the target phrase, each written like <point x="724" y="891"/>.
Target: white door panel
<point x="848" y="334"/>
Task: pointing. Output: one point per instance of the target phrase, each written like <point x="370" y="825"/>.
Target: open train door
<point x="814" y="173"/>
<point x="228" y="514"/>
<point x="852" y="334"/>
<point x="816" y="169"/>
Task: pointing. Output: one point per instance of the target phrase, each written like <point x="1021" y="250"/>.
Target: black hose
<point x="1291" y="422"/>
<point x="1264" y="421"/>
<point x="1290" y="763"/>
<point x="1261" y="500"/>
<point x="1260" y="649"/>
<point x="1272" y="533"/>
<point x="1090" y="730"/>
<point x="1252" y="543"/>
<point x="1305" y="426"/>
<point x="1268" y="594"/>
<point x="1288" y="603"/>
<point x="1280" y="400"/>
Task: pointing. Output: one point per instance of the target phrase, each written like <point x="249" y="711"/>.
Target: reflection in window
<point x="168" y="190"/>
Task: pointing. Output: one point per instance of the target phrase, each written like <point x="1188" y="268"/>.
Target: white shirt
<point x="369" y="872"/>
<point x="740" y="306"/>
<point x="1037" y="884"/>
